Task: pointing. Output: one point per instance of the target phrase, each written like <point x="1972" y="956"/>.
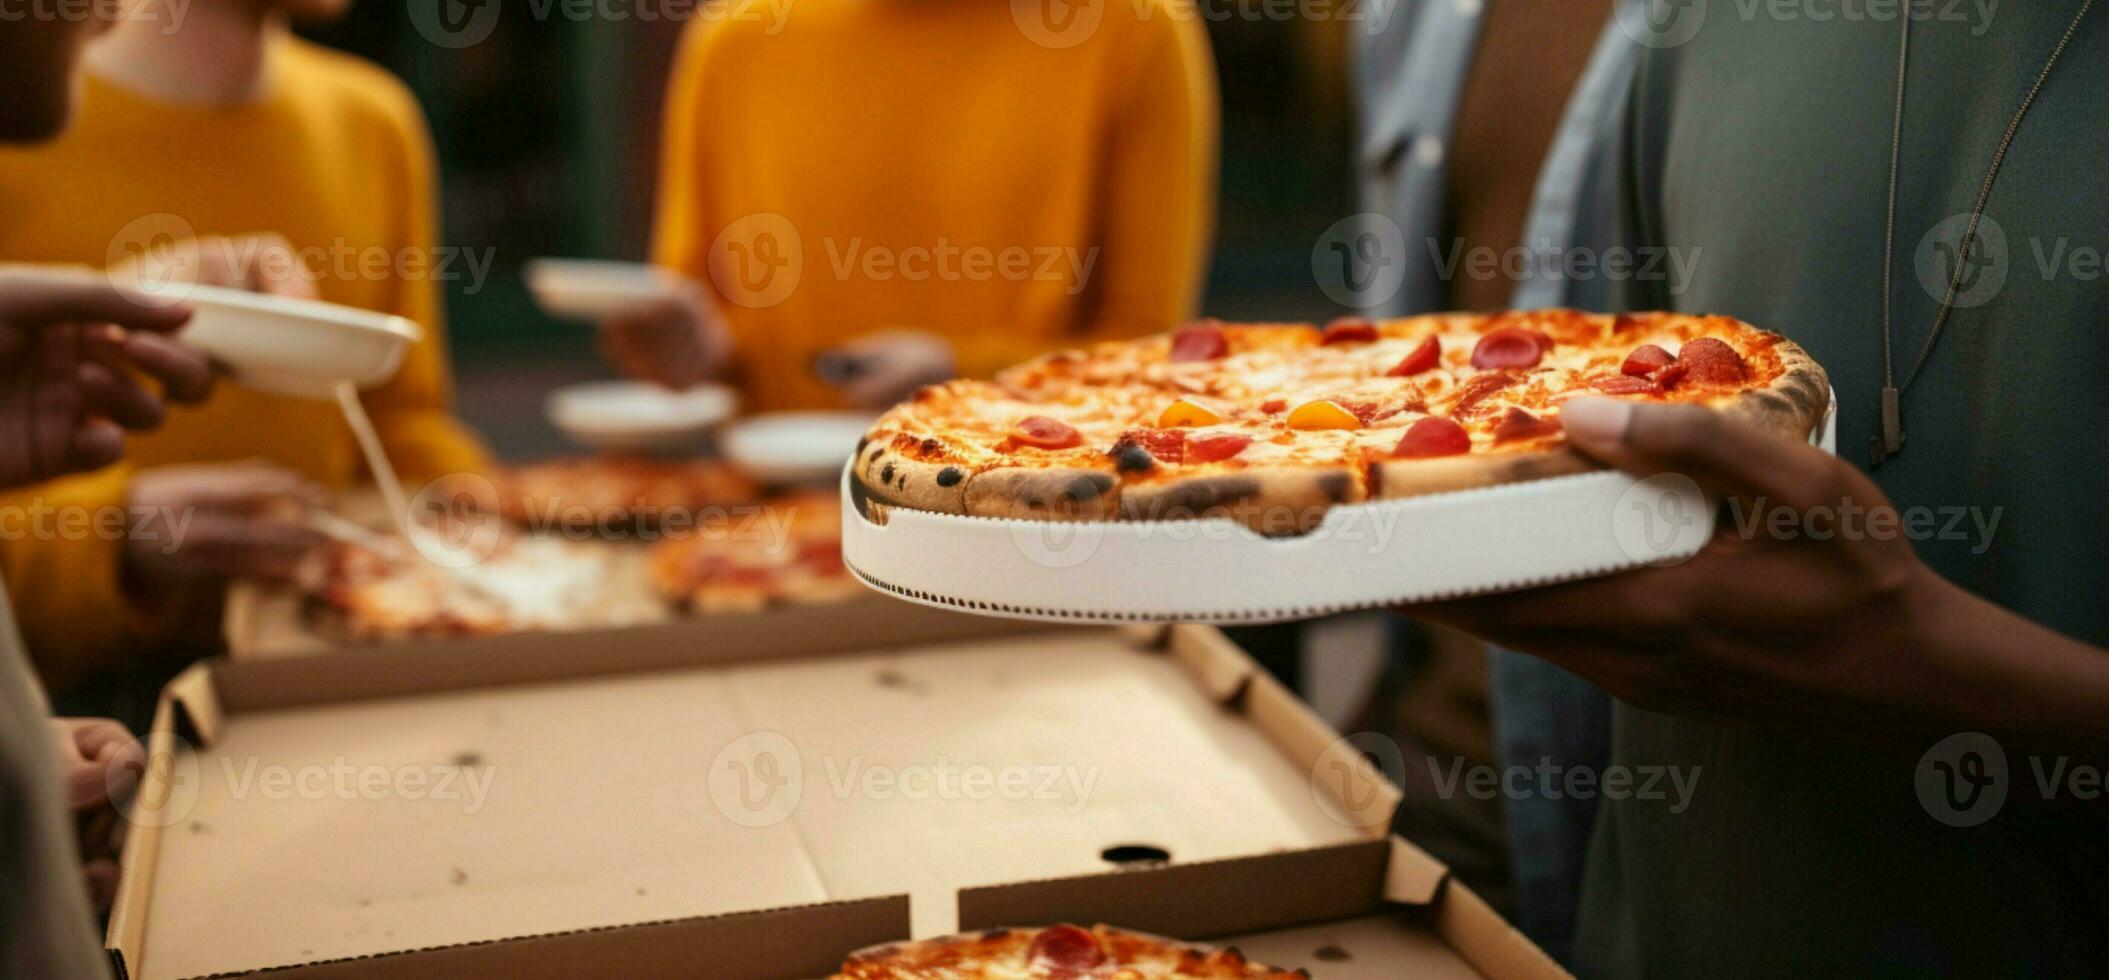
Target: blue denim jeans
<point x="1545" y="716"/>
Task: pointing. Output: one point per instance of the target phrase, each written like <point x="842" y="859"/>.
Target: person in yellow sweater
<point x="226" y="127"/>
<point x="894" y="190"/>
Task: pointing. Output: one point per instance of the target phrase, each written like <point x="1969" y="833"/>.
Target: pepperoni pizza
<point x="1272" y="424"/>
<point x="1064" y="951"/>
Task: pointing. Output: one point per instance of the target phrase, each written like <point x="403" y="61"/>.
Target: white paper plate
<point x="1217" y="571"/>
<point x="297" y="347"/>
<point x="595" y="289"/>
<point x="633" y="415"/>
<point x="795" y="447"/>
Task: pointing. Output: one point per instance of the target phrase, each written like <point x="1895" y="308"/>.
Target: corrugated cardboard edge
<point x="1355" y="790"/>
<point x="757" y="945"/>
<point x="189" y="705"/>
<point x="1198" y="899"/>
<point x="438" y="665"/>
<point x="1458" y="914"/>
<point x="1487" y="941"/>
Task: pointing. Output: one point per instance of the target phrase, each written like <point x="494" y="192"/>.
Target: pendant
<point x="1889" y="441"/>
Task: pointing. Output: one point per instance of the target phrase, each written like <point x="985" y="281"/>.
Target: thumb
<point x="38" y="298"/>
<point x="1725" y="456"/>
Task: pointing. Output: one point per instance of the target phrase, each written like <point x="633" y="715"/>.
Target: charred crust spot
<point x="1335" y="486"/>
<point x="886" y="474"/>
<point x="1132" y="458"/>
<point x="931" y="446"/>
<point x="1088" y="487"/>
<point x="1190" y="497"/>
<point x="950" y="476"/>
<point x="862" y="441"/>
<point x="875" y="451"/>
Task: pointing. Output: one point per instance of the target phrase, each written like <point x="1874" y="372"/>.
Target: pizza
<point x="618" y="491"/>
<point x="786" y="550"/>
<point x="1274" y="423"/>
<point x="365" y="593"/>
<point x="1066" y="952"/>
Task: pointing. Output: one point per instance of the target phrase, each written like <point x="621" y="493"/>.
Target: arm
<point x="414" y="412"/>
<point x="1158" y="217"/>
<point x="1849" y="635"/>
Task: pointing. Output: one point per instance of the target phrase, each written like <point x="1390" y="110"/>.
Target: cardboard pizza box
<point x="761" y="801"/>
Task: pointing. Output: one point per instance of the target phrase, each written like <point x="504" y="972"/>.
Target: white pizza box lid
<point x="1214" y="570"/>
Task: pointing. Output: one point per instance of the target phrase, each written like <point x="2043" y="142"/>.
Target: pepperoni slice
<point x="1348" y="330"/>
<point x="1625" y="384"/>
<point x="1480" y="387"/>
<point x="1669" y="376"/>
<point x="1510" y="347"/>
<point x="1519" y="424"/>
<point x="1216" y="447"/>
<point x="1066" y="949"/>
<point x="1200" y="342"/>
<point x="1042" y="432"/>
<point x="1433" y="436"/>
<point x="1424" y="357"/>
<point x="1711" y="361"/>
<point x="1646" y="359"/>
<point x="1168" y="445"/>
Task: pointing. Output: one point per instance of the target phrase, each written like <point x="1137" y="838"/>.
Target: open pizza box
<point x="757" y="806"/>
<point x="263" y="623"/>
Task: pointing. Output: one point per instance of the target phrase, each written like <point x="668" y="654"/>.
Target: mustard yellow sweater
<point x="932" y="164"/>
<point x="336" y="158"/>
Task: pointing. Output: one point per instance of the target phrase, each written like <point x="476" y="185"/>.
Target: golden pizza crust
<point x="896" y="469"/>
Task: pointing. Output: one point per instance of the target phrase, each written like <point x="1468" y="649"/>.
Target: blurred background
<point x="547" y="134"/>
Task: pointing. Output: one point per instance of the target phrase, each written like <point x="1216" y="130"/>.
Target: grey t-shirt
<point x="1763" y="143"/>
<point x="45" y="927"/>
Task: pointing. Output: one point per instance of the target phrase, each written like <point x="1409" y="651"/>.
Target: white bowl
<point x="595" y="289"/>
<point x="632" y="415"/>
<point x="796" y="447"/>
<point x="296" y="347"/>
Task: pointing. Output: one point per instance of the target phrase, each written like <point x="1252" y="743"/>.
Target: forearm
<point x="2002" y="674"/>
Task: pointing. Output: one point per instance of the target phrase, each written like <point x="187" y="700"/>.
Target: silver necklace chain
<point x="1890" y="439"/>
